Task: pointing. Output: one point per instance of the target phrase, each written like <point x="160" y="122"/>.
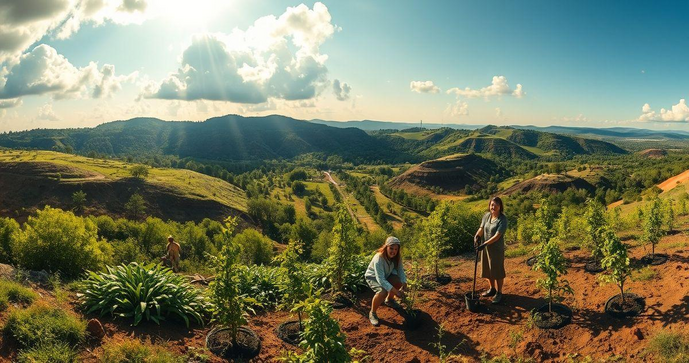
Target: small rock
<point x="390" y="351"/>
<point x="95" y="329"/>
<point x="637" y="332"/>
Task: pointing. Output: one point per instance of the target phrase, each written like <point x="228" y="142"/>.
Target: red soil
<point x="495" y="330"/>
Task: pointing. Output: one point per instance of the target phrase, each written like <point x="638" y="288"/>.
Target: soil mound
<point x="451" y="173"/>
<point x="553" y="183"/>
<point x="653" y="153"/>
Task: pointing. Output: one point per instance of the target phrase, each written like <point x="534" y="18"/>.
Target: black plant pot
<point x="593" y="267"/>
<point x="531" y="260"/>
<point x="290" y="331"/>
<point x="472" y="301"/>
<point x="339" y="300"/>
<point x="219" y="342"/>
<point x="655" y="259"/>
<point x="558" y="318"/>
<point x="412" y="320"/>
<point x="633" y="305"/>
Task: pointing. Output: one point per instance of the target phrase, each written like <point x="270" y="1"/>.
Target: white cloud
<point x="459" y="108"/>
<point x="10" y="103"/>
<point x="498" y="112"/>
<point x="46" y="112"/>
<point x="499" y="87"/>
<point x="578" y="119"/>
<point x="423" y="87"/>
<point x="24" y="22"/>
<point x="678" y="112"/>
<point x="341" y="90"/>
<point x="276" y="57"/>
<point x="44" y="71"/>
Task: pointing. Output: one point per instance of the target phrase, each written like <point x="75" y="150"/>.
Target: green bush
<point x="255" y="249"/>
<point x="48" y="353"/>
<point x="42" y="325"/>
<point x="134" y="291"/>
<point x="134" y="351"/>
<point x="13" y="292"/>
<point x="59" y="241"/>
<point x="8" y="232"/>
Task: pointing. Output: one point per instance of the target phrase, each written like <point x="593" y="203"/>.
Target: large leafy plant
<point x="295" y="287"/>
<point x="150" y="292"/>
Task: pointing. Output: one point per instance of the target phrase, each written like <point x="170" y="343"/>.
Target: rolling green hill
<point x="226" y="138"/>
<point x="32" y="179"/>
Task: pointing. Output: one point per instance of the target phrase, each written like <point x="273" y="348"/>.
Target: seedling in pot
<point x="616" y="262"/>
<point x="230" y="306"/>
<point x="553" y="264"/>
<point x="653" y="229"/>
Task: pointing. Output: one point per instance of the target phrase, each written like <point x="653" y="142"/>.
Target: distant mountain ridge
<point x="227" y="138"/>
<point x="275" y="137"/>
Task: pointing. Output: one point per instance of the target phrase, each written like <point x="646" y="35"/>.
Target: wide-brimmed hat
<point x="392" y="241"/>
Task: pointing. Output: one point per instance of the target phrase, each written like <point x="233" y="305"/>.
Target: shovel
<point x="470" y="298"/>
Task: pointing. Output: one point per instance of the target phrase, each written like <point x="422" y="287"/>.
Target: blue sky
<point x="78" y="63"/>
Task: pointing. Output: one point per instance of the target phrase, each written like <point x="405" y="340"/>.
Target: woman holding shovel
<point x="492" y="250"/>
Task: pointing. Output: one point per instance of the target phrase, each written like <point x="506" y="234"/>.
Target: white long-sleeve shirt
<point x="380" y="269"/>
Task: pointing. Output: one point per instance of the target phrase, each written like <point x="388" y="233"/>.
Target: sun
<point x="196" y="14"/>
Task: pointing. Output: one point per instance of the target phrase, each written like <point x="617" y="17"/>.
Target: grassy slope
<point x="186" y="183"/>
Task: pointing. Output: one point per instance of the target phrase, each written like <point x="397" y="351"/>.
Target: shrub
<point x="139" y="171"/>
<point x="254" y="248"/>
<point x="133" y="350"/>
<point x="13" y="292"/>
<point x="294" y="287"/>
<point x="48" y="353"/>
<point x="8" y="232"/>
<point x="42" y="325"/>
<point x="134" y="291"/>
<point x="262" y="283"/>
<point x="59" y="241"/>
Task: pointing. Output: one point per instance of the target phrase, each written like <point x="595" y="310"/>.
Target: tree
<point x="79" y="200"/>
<point x="595" y="221"/>
<point x="298" y="187"/>
<point x="435" y="239"/>
<point x="552" y="263"/>
<point x="136" y="206"/>
<point x="9" y="230"/>
<point x="58" y="241"/>
<point x="139" y="171"/>
<point x="653" y="225"/>
<point x="230" y="306"/>
<point x="615" y="261"/>
<point x="341" y="249"/>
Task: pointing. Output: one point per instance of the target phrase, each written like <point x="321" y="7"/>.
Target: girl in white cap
<point x="385" y="275"/>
